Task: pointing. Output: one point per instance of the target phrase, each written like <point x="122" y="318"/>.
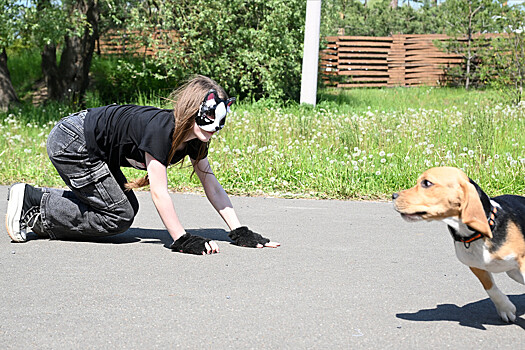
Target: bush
<point x="121" y="79"/>
<point x="253" y="49"/>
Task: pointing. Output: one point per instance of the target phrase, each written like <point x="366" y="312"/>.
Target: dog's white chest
<point x="478" y="255"/>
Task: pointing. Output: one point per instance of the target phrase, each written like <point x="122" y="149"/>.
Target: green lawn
<point x="355" y="144"/>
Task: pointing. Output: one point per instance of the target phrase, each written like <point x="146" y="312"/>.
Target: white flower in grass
<point x="496" y="156"/>
<point x="382" y="153"/>
<point x="27" y="150"/>
<point x="470" y="152"/>
<point x="383" y="160"/>
<point x="378" y="173"/>
<point x="272" y="179"/>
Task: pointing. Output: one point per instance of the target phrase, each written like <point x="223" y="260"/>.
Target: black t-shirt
<point x="121" y="134"/>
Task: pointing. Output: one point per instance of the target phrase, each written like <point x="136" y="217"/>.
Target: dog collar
<point x="476" y="235"/>
<point x="466" y="240"/>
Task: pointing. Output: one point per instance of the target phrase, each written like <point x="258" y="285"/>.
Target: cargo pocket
<point x="98" y="188"/>
<point x="59" y="139"/>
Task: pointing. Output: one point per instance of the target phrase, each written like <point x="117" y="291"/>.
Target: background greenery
<point x="254" y="48"/>
<point x="360" y="143"/>
<point x="356" y="144"/>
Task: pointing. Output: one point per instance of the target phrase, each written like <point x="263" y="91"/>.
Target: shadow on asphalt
<point x="474" y="315"/>
<point x="152" y="236"/>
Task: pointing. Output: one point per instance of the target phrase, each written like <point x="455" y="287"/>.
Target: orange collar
<point x="476" y="235"/>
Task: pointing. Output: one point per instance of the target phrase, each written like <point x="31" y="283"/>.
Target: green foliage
<point x="45" y="22"/>
<point x="466" y="21"/>
<point x="24" y="67"/>
<point x="117" y="79"/>
<point x="254" y="49"/>
<point x="10" y="22"/>
<point x="504" y="64"/>
<point x="352" y="17"/>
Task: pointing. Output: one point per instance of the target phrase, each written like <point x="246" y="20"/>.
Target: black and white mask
<point x="212" y="112"/>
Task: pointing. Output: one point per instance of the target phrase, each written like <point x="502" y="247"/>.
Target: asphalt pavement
<point x="348" y="275"/>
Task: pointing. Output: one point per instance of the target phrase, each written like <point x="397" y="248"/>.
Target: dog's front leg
<point x="505" y="308"/>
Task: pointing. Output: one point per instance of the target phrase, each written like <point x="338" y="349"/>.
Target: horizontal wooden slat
<point x="361" y="61"/>
<point x="363" y="43"/>
<point x="363" y="49"/>
<point x="363" y="67"/>
<point x="370" y="38"/>
<point x="360" y="55"/>
<point x="375" y="79"/>
<point x="358" y="85"/>
<point x="363" y="73"/>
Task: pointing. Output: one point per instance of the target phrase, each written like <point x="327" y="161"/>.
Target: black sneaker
<point x="23" y="211"/>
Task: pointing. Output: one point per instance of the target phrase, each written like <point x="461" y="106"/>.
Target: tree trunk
<point x="69" y="80"/>
<point x="51" y="74"/>
<point x="7" y="91"/>
<point x="393" y="4"/>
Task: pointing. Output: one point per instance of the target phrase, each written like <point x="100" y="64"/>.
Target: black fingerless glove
<point x="190" y="244"/>
<point x="244" y="237"/>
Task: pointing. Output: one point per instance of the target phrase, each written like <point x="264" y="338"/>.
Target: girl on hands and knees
<point x="88" y="149"/>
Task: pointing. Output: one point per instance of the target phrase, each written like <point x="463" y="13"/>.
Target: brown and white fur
<point x="489" y="233"/>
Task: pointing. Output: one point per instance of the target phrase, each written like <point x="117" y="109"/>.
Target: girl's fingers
<point x="214" y="247"/>
<point x="211" y="247"/>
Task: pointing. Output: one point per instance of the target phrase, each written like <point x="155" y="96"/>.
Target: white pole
<point x="311" y="52"/>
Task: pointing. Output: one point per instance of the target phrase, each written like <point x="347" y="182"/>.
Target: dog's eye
<point x="426" y="184"/>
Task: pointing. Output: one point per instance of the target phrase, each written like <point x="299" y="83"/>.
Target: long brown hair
<point x="186" y="102"/>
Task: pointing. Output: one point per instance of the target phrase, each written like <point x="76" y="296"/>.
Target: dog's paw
<point x="507" y="311"/>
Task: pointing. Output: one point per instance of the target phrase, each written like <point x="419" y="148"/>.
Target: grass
<point x="355" y="144"/>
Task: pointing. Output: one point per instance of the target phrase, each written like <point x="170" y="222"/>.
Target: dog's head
<point x="441" y="193"/>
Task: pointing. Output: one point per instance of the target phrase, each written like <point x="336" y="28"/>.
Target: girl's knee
<point x="122" y="219"/>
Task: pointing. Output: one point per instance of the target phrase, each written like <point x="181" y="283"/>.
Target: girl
<point x="89" y="147"/>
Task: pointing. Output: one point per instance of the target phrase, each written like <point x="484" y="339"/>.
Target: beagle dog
<point x="488" y="233"/>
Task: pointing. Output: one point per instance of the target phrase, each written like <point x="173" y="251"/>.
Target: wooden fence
<point x="136" y="43"/>
<point x="398" y="60"/>
<point x="347" y="61"/>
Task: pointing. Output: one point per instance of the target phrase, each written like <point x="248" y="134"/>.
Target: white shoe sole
<point x="15" y="201"/>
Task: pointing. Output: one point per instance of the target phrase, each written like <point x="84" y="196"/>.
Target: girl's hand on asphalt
<point x="190" y="244"/>
<point x="244" y="237"/>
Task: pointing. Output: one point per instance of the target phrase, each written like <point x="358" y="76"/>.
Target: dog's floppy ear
<point x="472" y="213"/>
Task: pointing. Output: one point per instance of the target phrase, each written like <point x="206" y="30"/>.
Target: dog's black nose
<point x="395" y="195"/>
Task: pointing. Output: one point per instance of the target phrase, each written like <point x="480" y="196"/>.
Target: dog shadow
<point x="154" y="236"/>
<point x="475" y="315"/>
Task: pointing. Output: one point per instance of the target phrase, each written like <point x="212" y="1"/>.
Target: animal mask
<point x="212" y="112"/>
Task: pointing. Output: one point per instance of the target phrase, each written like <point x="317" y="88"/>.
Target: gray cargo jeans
<point x="97" y="204"/>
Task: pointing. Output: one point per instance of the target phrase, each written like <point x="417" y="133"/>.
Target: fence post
<point x="311" y="52"/>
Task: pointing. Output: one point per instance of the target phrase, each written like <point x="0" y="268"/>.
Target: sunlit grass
<point x="363" y="144"/>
